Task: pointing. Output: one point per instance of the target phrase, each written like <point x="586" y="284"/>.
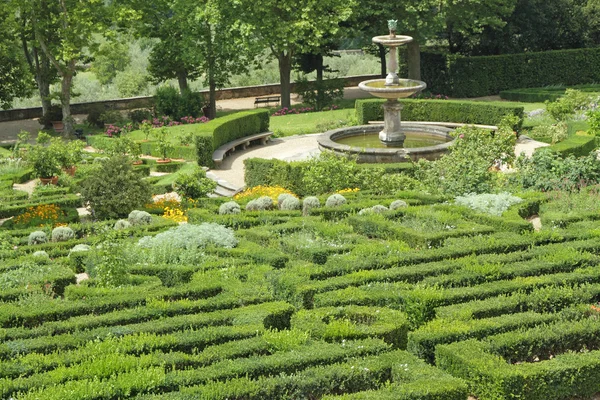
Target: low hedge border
<point x="576" y="145"/>
<point x="468" y="112"/>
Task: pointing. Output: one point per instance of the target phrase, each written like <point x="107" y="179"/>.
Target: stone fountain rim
<point x="388" y="41"/>
<point x="326" y="141"/>
<point x="392" y="89"/>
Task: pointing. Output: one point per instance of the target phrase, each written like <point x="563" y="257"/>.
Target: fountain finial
<point x="392" y="25"/>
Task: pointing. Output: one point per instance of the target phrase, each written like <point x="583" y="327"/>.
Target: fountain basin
<point x="388" y="41"/>
<point x="438" y="135"/>
<point x="404" y="88"/>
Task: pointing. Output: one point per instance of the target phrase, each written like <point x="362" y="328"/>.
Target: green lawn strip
<point x="311" y="122"/>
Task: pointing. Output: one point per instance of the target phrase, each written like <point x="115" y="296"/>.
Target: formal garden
<point x="130" y="269"/>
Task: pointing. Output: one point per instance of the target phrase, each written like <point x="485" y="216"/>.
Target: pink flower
<point x="461" y="136"/>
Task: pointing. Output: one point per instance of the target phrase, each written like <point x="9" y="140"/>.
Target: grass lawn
<point x="169" y="179"/>
<point x="298" y="124"/>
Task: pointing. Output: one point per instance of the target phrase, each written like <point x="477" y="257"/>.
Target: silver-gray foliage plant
<point x="80" y="248"/>
<point x="41" y="254"/>
<point x="137" y="217"/>
<point x="335" y="200"/>
<point x="264" y="203"/>
<point x="190" y="236"/>
<point x="37" y="237"/>
<point x="122" y="224"/>
<point x="231" y="207"/>
<point x="494" y="204"/>
<point x="290" y="203"/>
<point x="281" y="198"/>
<point x="308" y="203"/>
<point x="62" y="234"/>
<point x="396" y="204"/>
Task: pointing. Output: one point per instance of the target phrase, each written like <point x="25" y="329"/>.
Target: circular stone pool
<point x="422" y="141"/>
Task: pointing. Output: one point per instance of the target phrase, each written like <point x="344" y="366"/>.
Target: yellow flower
<point x="259" y="191"/>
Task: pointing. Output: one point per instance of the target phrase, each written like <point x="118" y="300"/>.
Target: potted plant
<point x="54" y="117"/>
<point x="44" y="162"/>
<point x="68" y="154"/>
<point x="135" y="150"/>
<point x="164" y="146"/>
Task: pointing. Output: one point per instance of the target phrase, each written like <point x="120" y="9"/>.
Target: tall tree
<point x="74" y="23"/>
<point x="39" y="65"/>
<point x="288" y="27"/>
<point x="15" y="79"/>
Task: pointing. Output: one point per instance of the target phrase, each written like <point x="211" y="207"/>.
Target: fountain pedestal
<point x="392" y="135"/>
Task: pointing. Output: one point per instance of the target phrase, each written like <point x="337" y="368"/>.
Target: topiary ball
<point x="62" y="234"/>
<point x="37" y="237"/>
<point x="137" y="217"/>
<point x="335" y="200"/>
<point x="252" y="205"/>
<point x="308" y="203"/>
<point x="231" y="207"/>
<point x="290" y="203"/>
<point x="378" y="209"/>
<point x="41" y="254"/>
<point x="121" y="224"/>
<point x="264" y="203"/>
<point x="281" y="198"/>
<point x="396" y="204"/>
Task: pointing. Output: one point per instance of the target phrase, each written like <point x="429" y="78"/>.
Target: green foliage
<point x="115" y="189"/>
<point x="335" y="200"/>
<point x="263" y="203"/>
<point x="225" y="129"/>
<point x="566" y="106"/>
<point x="329" y="173"/>
<point x="110" y="58"/>
<point x="107" y="264"/>
<point x="168" y="101"/>
<point x="309" y="203"/>
<point x="194" y="185"/>
<point x="189" y="236"/>
<point x="131" y="82"/>
<point x="320" y="94"/>
<point x="555" y="132"/>
<point x="398" y="204"/>
<point x="121" y="224"/>
<point x="290" y="203"/>
<point x="137" y="217"/>
<point x="467" y="168"/>
<point x="576" y="145"/>
<point x="461" y="76"/>
<point x="542" y="94"/>
<point x="494" y="204"/>
<point x="469" y="112"/>
<point x="285" y="340"/>
<point x="546" y="171"/>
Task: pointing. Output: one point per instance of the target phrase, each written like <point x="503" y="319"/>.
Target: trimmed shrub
<point x="37" y="237"/>
<point x="41" y="254"/>
<point x="290" y="203"/>
<point x="231" y="207"/>
<point x="263" y="203"/>
<point x="189" y="236"/>
<point x="309" y="203"/>
<point x="576" y="145"/>
<point x="335" y="200"/>
<point x="378" y="209"/>
<point x="137" y="217"/>
<point x="62" y="234"/>
<point x="78" y="256"/>
<point x="282" y="197"/>
<point x="121" y="224"/>
<point x="469" y="112"/>
<point x="397" y="204"/>
<point x="494" y="204"/>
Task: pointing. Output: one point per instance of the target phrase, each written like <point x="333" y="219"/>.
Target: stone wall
<point x="146" y="101"/>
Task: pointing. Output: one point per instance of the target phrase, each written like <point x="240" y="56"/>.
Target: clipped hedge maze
<point x="432" y="301"/>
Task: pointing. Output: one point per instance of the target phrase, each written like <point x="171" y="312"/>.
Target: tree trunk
<point x="285" y="72"/>
<point x="212" y="96"/>
<point x="65" y="100"/>
<point x="382" y="60"/>
<point x="414" y="60"/>
<point x="182" y="80"/>
<point x="320" y="94"/>
<point x="42" y="77"/>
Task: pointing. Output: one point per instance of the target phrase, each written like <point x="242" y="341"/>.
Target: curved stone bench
<point x="229" y="147"/>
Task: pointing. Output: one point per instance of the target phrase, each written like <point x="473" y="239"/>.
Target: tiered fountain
<point x="394" y="141"/>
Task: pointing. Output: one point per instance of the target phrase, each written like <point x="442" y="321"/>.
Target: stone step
<point x="223" y="192"/>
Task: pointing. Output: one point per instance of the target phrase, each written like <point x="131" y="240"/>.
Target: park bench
<point x="267" y="100"/>
<point x="224" y="150"/>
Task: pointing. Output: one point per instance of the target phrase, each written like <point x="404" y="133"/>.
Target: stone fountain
<point x="397" y="141"/>
<point x="392" y="88"/>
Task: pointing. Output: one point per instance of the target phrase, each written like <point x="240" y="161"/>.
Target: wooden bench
<point x="224" y="150"/>
<point x="266" y="100"/>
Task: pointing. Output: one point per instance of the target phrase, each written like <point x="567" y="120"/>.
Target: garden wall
<point x="147" y="101"/>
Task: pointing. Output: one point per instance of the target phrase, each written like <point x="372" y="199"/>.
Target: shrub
<point x="94" y="118"/>
<point x="468" y="166"/>
<point x="189" y="236"/>
<point x="121" y="224"/>
<point x="567" y="105"/>
<point x="231" y="207"/>
<point x="137" y="217"/>
<point x="41" y="254"/>
<point x="378" y="209"/>
<point x="282" y="197"/>
<point x="168" y="101"/>
<point x="37" y="237"/>
<point x="252" y="205"/>
<point x="309" y="203"/>
<point x="320" y="94"/>
<point x="556" y="132"/>
<point x="441" y="110"/>
<point x="138" y="116"/>
<point x="194" y="185"/>
<point x="396" y="204"/>
<point x="115" y="189"/>
<point x="78" y="256"/>
<point x="494" y="204"/>
<point x="108" y="263"/>
<point x="62" y="234"/>
<point x="290" y="203"/>
<point x="264" y="203"/>
<point x="335" y="200"/>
